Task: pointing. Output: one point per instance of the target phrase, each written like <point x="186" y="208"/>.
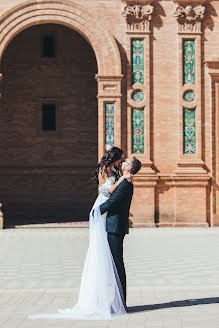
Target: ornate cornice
<point x="189" y="17"/>
<point x="213" y="65"/>
<point x="138" y="17"/>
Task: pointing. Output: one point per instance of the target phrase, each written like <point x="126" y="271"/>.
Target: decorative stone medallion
<point x="138" y="95"/>
<point x="189" y="96"/>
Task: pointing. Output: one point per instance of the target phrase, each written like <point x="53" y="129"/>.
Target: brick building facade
<point x="78" y="76"/>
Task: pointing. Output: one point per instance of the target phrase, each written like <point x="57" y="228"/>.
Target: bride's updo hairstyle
<point x="112" y="155"/>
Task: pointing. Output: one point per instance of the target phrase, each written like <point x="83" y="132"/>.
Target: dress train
<point x="101" y="295"/>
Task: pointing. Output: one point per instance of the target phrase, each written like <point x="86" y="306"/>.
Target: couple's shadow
<point x="182" y="303"/>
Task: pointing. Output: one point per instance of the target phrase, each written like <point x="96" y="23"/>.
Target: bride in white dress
<point x="101" y="295"/>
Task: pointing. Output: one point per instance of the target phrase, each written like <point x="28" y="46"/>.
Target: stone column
<point x="190" y="178"/>
<point x="189" y="16"/>
<point x="212" y="65"/>
<point x="138" y="15"/>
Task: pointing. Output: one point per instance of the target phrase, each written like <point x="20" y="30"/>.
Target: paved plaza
<point x="172" y="277"/>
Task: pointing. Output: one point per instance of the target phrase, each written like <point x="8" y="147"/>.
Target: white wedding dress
<point x="101" y="296"/>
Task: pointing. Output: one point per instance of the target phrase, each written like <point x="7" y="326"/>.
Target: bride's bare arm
<point x="101" y="178"/>
<point x="128" y="177"/>
<point x="113" y="188"/>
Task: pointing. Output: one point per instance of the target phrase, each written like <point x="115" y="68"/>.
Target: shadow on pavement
<point x="189" y="302"/>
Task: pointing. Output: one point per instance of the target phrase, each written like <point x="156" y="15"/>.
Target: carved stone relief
<point x="138" y="17"/>
<point x="189" y="18"/>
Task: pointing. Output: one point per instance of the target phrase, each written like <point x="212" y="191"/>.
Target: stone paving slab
<point x="144" y="311"/>
<point x="172" y="276"/>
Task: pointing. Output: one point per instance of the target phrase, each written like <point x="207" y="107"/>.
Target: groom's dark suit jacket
<point x="118" y="206"/>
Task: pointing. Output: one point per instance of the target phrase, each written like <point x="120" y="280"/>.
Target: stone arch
<point x="66" y="13"/>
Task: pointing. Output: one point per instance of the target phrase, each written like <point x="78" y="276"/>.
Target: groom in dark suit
<point x="117" y="222"/>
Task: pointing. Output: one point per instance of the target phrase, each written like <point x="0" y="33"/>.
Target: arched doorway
<point x="81" y="20"/>
<point x="51" y="145"/>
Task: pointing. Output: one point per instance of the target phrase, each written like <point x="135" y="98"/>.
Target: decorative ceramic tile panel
<point x="138" y="96"/>
<point x="138" y="130"/>
<point x="189" y="96"/>
<point x="189" y="131"/>
<point x="138" y="61"/>
<point x="109" y="121"/>
<point x="189" y="61"/>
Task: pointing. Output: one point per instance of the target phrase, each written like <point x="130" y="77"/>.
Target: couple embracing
<point x="102" y="293"/>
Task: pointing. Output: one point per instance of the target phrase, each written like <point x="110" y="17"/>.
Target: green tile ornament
<point x="138" y="61"/>
<point x="189" y="131"/>
<point x="189" y="61"/>
<point x="138" y="130"/>
<point x="109" y="121"/>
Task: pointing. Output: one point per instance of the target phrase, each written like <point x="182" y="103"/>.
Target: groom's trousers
<point x="116" y="245"/>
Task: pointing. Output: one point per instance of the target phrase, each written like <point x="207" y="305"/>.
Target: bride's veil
<point x="100" y="296"/>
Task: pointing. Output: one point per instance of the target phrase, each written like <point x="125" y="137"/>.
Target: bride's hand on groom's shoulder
<point x="128" y="177"/>
<point x="121" y="178"/>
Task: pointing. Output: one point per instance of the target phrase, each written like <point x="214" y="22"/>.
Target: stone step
<point x="80" y="224"/>
<point x="141" y="223"/>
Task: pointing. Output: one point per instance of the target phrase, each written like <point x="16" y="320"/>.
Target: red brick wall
<point x="164" y="199"/>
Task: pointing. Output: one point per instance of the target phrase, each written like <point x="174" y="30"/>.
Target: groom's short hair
<point x="136" y="165"/>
